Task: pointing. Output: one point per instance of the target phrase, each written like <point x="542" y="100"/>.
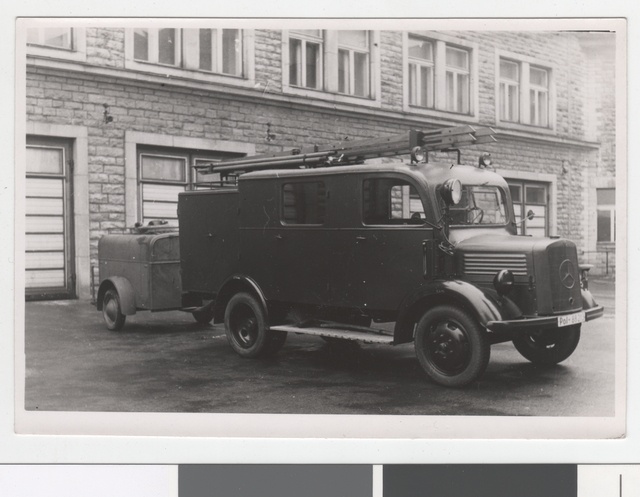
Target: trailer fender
<point x="233" y="285"/>
<point x="484" y="304"/>
<point x="125" y="293"/>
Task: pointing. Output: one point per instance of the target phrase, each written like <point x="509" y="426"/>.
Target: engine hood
<point x="504" y="243"/>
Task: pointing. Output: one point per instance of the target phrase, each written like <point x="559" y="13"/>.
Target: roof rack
<point x="351" y="152"/>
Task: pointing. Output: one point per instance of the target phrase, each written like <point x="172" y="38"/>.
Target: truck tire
<point x="247" y="330"/>
<point x="112" y="310"/>
<point x="451" y="346"/>
<point x="548" y="347"/>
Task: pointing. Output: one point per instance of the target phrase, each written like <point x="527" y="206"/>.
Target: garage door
<point x="49" y="251"/>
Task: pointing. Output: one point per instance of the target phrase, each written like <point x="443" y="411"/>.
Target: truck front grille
<point x="564" y="277"/>
<point x="491" y="263"/>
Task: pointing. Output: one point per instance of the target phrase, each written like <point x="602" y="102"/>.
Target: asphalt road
<point x="165" y="362"/>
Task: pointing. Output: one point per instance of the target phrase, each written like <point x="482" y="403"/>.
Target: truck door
<point x="388" y="257"/>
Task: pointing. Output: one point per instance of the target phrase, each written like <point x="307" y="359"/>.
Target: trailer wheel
<point x="451" y="346"/>
<point x="112" y="310"/>
<point x="247" y="330"/>
<point x="548" y="347"/>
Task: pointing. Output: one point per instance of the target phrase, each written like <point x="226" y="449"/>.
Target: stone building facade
<point x="115" y="119"/>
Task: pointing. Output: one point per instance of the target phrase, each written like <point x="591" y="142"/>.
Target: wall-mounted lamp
<point x="565" y="166"/>
<point x="484" y="161"/>
<point x="108" y="118"/>
<point x="270" y="136"/>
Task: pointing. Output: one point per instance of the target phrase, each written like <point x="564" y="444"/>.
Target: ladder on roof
<point x="355" y="152"/>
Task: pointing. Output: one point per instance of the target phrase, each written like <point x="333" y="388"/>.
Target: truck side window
<point x="391" y="201"/>
<point x="304" y="203"/>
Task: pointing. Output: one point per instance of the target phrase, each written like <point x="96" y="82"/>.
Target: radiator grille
<point x="562" y="260"/>
<point x="490" y="264"/>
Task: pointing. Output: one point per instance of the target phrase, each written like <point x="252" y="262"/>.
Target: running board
<point x="360" y="336"/>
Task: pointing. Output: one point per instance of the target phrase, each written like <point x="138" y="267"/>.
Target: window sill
<point x="331" y="97"/>
<point x="528" y="128"/>
<point x="178" y="72"/>
<point x="56" y="53"/>
<point x="442" y="114"/>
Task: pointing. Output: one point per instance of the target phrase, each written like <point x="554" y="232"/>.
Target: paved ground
<point x="165" y="362"/>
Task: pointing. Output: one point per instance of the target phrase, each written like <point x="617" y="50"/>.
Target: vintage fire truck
<point x="319" y="241"/>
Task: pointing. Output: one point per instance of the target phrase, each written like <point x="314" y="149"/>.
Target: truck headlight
<point x="503" y="281"/>
<point x="451" y="191"/>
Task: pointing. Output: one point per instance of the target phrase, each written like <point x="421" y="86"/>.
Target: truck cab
<point x="337" y="249"/>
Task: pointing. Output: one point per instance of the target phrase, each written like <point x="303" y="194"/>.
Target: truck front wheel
<point x="548" y="347"/>
<point x="451" y="346"/>
<point x="247" y="329"/>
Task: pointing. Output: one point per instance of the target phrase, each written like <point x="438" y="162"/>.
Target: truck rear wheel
<point x="247" y="330"/>
<point x="112" y="310"/>
<point x="548" y="347"/>
<point x="451" y="346"/>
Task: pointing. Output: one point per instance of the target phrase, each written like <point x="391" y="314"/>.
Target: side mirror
<point x="451" y="191"/>
<point x="530" y="215"/>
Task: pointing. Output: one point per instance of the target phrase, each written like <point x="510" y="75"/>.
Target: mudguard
<point x="125" y="293"/>
<point x="484" y="304"/>
<point x="588" y="302"/>
<point x="232" y="285"/>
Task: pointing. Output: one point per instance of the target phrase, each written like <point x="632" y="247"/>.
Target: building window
<point x="163" y="174"/>
<point x="439" y="74"/>
<point x="51" y="37"/>
<point x="421" y="71"/>
<point x="509" y="105"/>
<point x="337" y="62"/>
<point x="304" y="203"/>
<point x="305" y="58"/>
<point x="606" y="198"/>
<point x="524" y="95"/>
<point x="353" y="63"/>
<point x="208" y="50"/>
<point x="532" y="196"/>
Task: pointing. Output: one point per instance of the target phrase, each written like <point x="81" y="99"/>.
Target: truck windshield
<point x="479" y="205"/>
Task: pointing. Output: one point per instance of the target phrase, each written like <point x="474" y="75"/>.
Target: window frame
<point x="283" y="222"/>
<point x="506" y="83"/>
<point x="77" y="52"/>
<point x="419" y="64"/>
<point x="525" y="120"/>
<point x="401" y="181"/>
<point x="188" y="66"/>
<point x="305" y="38"/>
<point x="440" y="43"/>
<point x="328" y="87"/>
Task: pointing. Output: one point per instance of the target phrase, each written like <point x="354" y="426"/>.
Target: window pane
<point x="353" y="38"/>
<point x="543" y="108"/>
<point x="538" y="77"/>
<point x="516" y="193"/>
<point x="33" y="36"/>
<point x="426" y="93"/>
<point x="533" y="107"/>
<point x="450" y="91"/>
<point x="206" y="46"/>
<point x="420" y="49"/>
<point x="44" y="160"/>
<point x="391" y="201"/>
<point x="606" y="196"/>
<point x="295" y="62"/>
<point x="343" y="71"/>
<point x="361" y="76"/>
<point x="509" y="70"/>
<point x="313" y="58"/>
<point x="163" y="168"/>
<point x="535" y="194"/>
<point x="231" y="50"/>
<point x="141" y="44"/>
<point x="463" y="93"/>
<point x="303" y="203"/>
<point x="167" y="46"/>
<point x="457" y="58"/>
<point x="604" y="225"/>
<point x="50" y="37"/>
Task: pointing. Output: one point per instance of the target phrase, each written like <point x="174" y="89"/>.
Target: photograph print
<point x="400" y="221"/>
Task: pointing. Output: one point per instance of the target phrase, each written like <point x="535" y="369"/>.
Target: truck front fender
<point x="125" y="293"/>
<point x="483" y="304"/>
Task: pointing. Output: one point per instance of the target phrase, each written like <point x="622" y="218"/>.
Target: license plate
<point x="570" y="319"/>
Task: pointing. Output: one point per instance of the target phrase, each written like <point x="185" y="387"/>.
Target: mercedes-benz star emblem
<point x="566" y="274"/>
